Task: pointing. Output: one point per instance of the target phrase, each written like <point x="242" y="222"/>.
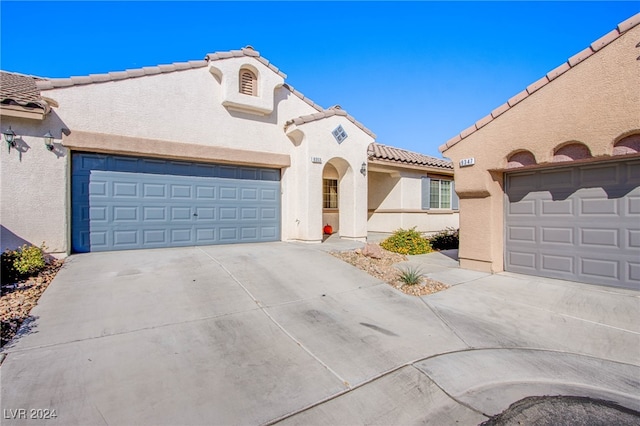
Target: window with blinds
<point x="438" y="194"/>
<point x="248" y="83"/>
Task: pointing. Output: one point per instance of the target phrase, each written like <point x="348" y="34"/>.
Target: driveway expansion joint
<point x="458" y="401"/>
<point x="277" y="324"/>
<point x="445" y="322"/>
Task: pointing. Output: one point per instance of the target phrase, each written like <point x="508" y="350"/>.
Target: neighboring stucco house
<point x="203" y="152"/>
<point x="549" y="182"/>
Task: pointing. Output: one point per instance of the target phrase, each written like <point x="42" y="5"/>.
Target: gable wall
<point x="184" y="106"/>
<point x="595" y="103"/>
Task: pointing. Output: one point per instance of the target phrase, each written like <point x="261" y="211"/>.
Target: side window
<point x="330" y="193"/>
<point x="438" y="194"/>
<point x="248" y="82"/>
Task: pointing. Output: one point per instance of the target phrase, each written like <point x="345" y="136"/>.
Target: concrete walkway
<point x="284" y="332"/>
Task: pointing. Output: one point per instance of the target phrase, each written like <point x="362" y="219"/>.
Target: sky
<point x="414" y="73"/>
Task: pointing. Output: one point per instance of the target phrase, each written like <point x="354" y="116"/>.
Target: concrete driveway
<point x="256" y="334"/>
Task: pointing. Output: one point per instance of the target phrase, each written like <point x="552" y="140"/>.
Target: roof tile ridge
<point x="415" y="156"/>
<point x="323" y="113"/>
<point x="574" y="60"/>
<point x="35" y="77"/>
<point x="52" y="83"/>
<point x="245" y="51"/>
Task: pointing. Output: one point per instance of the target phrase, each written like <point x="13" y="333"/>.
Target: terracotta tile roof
<point x="550" y="76"/>
<point x="396" y="155"/>
<point x="323" y="113"/>
<point x="20" y="89"/>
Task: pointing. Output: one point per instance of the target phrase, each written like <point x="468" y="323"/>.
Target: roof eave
<point x="573" y="61"/>
<point x="18" y="111"/>
<point x="392" y="165"/>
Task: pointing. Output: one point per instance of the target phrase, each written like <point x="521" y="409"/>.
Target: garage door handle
<point x="195" y="214"/>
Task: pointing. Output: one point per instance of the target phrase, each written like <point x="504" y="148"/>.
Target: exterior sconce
<point x="48" y="141"/>
<point x="10" y="137"/>
<point x="363" y="169"/>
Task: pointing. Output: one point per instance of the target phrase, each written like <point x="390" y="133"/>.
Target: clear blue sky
<point x="415" y="73"/>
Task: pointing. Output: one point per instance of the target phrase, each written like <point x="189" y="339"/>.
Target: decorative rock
<point x="372" y="250"/>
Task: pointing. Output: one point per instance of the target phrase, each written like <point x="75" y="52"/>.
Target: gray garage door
<point x="121" y="203"/>
<point x="576" y="223"/>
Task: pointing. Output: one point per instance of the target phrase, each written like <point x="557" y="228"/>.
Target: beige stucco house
<point x="215" y="151"/>
<point x="549" y="182"/>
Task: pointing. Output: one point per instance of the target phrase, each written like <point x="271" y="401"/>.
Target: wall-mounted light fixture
<point x="10" y="137"/>
<point x="48" y="141"/>
<point x="363" y="169"/>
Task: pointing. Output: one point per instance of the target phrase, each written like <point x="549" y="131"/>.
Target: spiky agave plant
<point x="411" y="275"/>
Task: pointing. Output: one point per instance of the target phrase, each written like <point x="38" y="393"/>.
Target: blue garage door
<point x="122" y="203"/>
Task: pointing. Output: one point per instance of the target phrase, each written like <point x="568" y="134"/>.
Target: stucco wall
<point x="394" y="201"/>
<point x="186" y="107"/>
<point x="595" y="103"/>
<point x="33" y="189"/>
<point x="316" y="141"/>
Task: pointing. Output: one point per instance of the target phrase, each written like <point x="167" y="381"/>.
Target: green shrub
<point x="411" y="275"/>
<point x="7" y="259"/>
<point x="445" y="239"/>
<point x="406" y="241"/>
<point x="22" y="262"/>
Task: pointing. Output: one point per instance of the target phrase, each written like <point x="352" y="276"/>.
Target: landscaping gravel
<point x="18" y="298"/>
<point x="385" y="270"/>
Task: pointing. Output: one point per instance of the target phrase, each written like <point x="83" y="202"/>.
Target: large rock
<point x="372" y="250"/>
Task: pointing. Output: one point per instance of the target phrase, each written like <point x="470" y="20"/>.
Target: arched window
<point x="248" y="82"/>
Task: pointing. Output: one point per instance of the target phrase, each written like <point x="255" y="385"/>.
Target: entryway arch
<point x="338" y="196"/>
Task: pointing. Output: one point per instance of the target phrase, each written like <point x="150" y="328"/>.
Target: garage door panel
<point x="154" y="190"/>
<point x="554" y="263"/>
<point x="598" y="206"/>
<point x="599" y="175"/>
<point x="267" y="213"/>
<point x="96" y="188"/>
<point x="597" y="237"/>
<point x="556" y="179"/>
<point x="205" y="214"/>
<point x="557" y="207"/>
<point x="123" y="189"/>
<point x="269" y="195"/>
<point x="138" y="203"/>
<point x="228" y="234"/>
<point x="633" y="205"/>
<point x="229" y="193"/>
<point x="591" y="267"/>
<point x="125" y="238"/>
<point x="249" y="194"/>
<point x="524" y="260"/>
<point x="523" y="208"/>
<point x="180" y="192"/>
<point x="633" y="271"/>
<point x="205" y="235"/>
<point x="522" y="234"/>
<point x="588" y="232"/>
<point x="154" y="236"/>
<point x="556" y="235"/>
<point x="205" y="193"/>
